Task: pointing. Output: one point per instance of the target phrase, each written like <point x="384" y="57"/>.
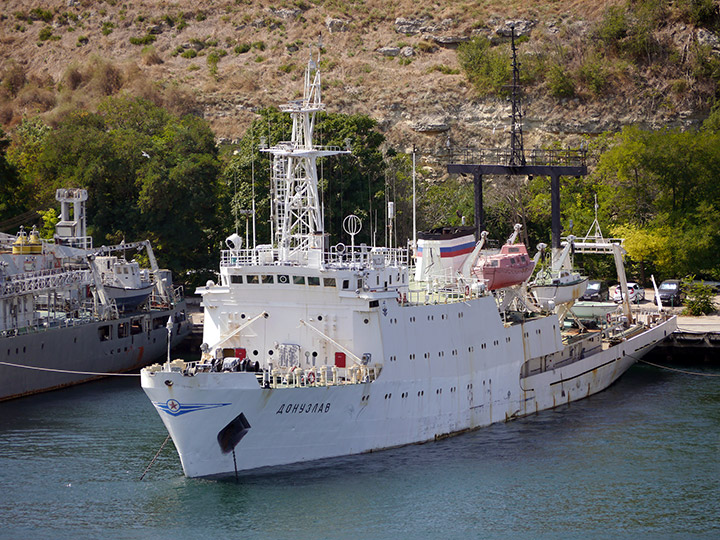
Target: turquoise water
<point x="640" y="459"/>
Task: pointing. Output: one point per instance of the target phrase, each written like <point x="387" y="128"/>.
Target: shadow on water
<point x="641" y="456"/>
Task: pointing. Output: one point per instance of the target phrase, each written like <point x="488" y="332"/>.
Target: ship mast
<point x="299" y="235"/>
<point x="517" y="151"/>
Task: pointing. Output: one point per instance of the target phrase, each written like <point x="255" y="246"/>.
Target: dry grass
<point x="359" y="80"/>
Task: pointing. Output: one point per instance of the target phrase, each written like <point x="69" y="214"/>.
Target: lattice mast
<point x="297" y="216"/>
<point x="517" y="151"/>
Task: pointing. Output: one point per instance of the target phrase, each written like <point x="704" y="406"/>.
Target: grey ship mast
<point x="299" y="234"/>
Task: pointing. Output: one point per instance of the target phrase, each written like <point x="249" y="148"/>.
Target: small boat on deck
<point x="497" y="270"/>
<point x="124" y="282"/>
<point x="510" y="267"/>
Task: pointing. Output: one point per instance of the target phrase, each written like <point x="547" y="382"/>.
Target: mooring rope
<point x="70" y="371"/>
<point x="156" y="456"/>
<point x="680" y="370"/>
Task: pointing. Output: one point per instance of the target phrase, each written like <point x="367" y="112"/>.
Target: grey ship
<point x="65" y="317"/>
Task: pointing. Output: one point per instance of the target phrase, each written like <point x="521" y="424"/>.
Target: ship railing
<point x="284" y="376"/>
<point x="43" y="280"/>
<point x="49" y="321"/>
<point x="570" y="157"/>
<point x="445" y="289"/>
<point x="79" y="242"/>
<point x="367" y="256"/>
<point x="338" y="255"/>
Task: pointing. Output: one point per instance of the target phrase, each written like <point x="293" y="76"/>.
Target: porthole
<point x="366" y="321"/>
<point x="314" y="354"/>
<point x="255" y="353"/>
<point x="242" y="315"/>
<point x="271" y="352"/>
<point x="319" y="317"/>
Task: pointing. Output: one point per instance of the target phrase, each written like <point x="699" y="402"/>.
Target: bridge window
<point x="236" y="279"/>
<point x="252" y="278"/>
<point x="313" y="281"/>
<point x="298" y="280"/>
<point x="329" y="282"/>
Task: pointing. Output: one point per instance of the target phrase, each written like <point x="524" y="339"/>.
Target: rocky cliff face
<point x="397" y="63"/>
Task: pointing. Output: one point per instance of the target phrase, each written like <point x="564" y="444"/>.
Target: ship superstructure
<point x="314" y="351"/>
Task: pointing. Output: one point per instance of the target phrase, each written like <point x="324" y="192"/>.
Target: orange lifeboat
<point x="511" y="266"/>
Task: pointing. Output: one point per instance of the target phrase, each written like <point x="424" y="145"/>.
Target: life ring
<point x="467" y="290"/>
<point x="399" y="298"/>
<point x="311" y="378"/>
<point x="608" y="318"/>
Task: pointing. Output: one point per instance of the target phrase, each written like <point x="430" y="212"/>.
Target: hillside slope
<point x="396" y="62"/>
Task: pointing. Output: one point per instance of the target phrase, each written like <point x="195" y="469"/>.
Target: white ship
<point x="312" y="353"/>
<point x="60" y="325"/>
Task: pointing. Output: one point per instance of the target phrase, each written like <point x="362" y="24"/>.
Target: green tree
<point x="10" y="197"/>
<point x="663" y="187"/>
<point x="149" y="174"/>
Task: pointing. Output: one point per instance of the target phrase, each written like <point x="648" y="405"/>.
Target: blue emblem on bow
<point x="174" y="408"/>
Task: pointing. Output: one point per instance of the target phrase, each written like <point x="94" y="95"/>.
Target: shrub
<point x="613" y="26"/>
<point x="259" y="45"/>
<point x="150" y="56"/>
<point x="45" y="33"/>
<point x="107" y="78"/>
<point x="36" y="98"/>
<point x="487" y="69"/>
<point x="699" y="12"/>
<point x="107" y="28"/>
<point x="594" y="75"/>
<point x="427" y="46"/>
<point x="212" y="60"/>
<point x="286" y="68"/>
<point x="82" y="40"/>
<point x="145" y="40"/>
<point x="189" y="53"/>
<point x="560" y="84"/>
<point x="699" y="299"/>
<point x="40" y="14"/>
<point x="14" y="78"/>
<point x="73" y="78"/>
<point x="242" y="48"/>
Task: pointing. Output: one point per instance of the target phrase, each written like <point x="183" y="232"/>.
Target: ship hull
<point x="96" y="347"/>
<point x="482" y="377"/>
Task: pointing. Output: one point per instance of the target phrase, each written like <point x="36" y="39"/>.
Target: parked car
<point x="635" y="293"/>
<point x="597" y="291"/>
<point x="670" y="292"/>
